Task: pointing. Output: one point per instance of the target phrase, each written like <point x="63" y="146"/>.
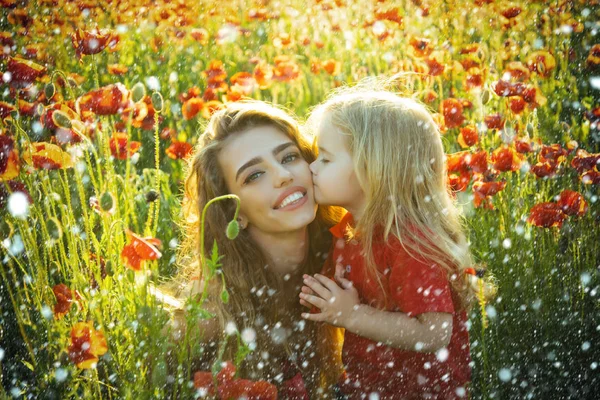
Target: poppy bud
<point x="138" y="91"/>
<point x="233" y="229"/>
<point x="50" y="90"/>
<point x="530" y="128"/>
<point x="151" y="196"/>
<point x="157" y="101"/>
<point x="107" y="202"/>
<point x="485" y="97"/>
<point x="225" y="296"/>
<point x="61" y="119"/>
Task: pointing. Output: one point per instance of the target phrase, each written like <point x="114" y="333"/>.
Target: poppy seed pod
<point x="49" y="90"/>
<point x="151" y="196"/>
<point x="138" y="91"/>
<point x="61" y="119"/>
<point x="157" y="101"/>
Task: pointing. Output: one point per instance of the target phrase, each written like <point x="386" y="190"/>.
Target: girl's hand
<point x="339" y="276"/>
<point x="337" y="304"/>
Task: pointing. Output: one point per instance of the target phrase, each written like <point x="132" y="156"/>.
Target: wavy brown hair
<point x="258" y="298"/>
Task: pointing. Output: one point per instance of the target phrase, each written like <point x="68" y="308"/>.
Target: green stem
<point x="202" y="253"/>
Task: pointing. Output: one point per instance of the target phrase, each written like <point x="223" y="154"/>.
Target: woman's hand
<point x="337" y="304"/>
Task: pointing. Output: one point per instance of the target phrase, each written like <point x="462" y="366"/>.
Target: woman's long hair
<point x="258" y="298"/>
<point x="400" y="164"/>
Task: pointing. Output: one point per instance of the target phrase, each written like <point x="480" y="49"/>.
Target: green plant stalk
<point x="203" y="271"/>
<point x="157" y="178"/>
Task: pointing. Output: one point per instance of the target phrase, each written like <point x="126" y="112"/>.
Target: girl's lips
<point x="293" y="206"/>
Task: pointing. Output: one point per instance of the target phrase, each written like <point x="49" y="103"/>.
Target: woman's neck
<point x="285" y="250"/>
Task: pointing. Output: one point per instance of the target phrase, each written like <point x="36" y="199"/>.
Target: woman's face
<point x="265" y="168"/>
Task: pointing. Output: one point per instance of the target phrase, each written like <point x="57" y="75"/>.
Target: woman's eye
<point x="324" y="160"/>
<point x="252" y="177"/>
<point x="290" y="157"/>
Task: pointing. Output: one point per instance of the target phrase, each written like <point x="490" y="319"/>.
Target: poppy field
<point x="102" y="102"/>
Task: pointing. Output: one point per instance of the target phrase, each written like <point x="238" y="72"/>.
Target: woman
<point x="256" y="151"/>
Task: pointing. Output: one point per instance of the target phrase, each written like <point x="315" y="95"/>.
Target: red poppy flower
<point x="459" y="183"/>
<point x="86" y="345"/>
<point x="429" y="96"/>
<point x="516" y="104"/>
<point x="121" y="147"/>
<point x="494" y="121"/>
<point x="285" y="69"/>
<point x="140" y="250"/>
<point x="470" y="62"/>
<point x="478" y="161"/>
<point x="44" y="155"/>
<point x="263" y="73"/>
<point x="421" y="46"/>
<point x="92" y="42"/>
<point x="524" y="145"/>
<point x="468" y="136"/>
<point x="231" y="388"/>
<point x="107" y="100"/>
<point x="194" y="91"/>
<point x="26" y="108"/>
<point x="504" y="88"/>
<point x="544" y="169"/>
<point x="572" y="203"/>
<point x="435" y="63"/>
<point x="452" y="110"/>
<point x="143" y="114"/>
<point x="117" y="69"/>
<point x="583" y="161"/>
<point x="6" y="109"/>
<point x="506" y="159"/>
<point x="9" y="159"/>
<point x="534" y="97"/>
<point x="474" y="78"/>
<point x="332" y="67"/>
<point x="64" y="300"/>
<point x="392" y="14"/>
<point x="456" y="162"/>
<point x="470" y="48"/>
<point x="483" y="191"/>
<point x="215" y="74"/>
<point x="23" y="72"/>
<point x="554" y="153"/>
<point x="516" y="71"/>
<point x="541" y="62"/>
<point x="591" y="178"/>
<point x="511" y="12"/>
<point x="191" y="108"/>
<point x="546" y="215"/>
<point x="211" y="107"/>
<point x="179" y="150"/>
<point x="200" y="35"/>
<point x="593" y="58"/>
<point x="243" y="82"/>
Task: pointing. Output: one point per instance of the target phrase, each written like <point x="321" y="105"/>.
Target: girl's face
<point x="333" y="172"/>
<point x="265" y="168"/>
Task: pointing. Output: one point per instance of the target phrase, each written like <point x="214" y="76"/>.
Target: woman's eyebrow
<point x="257" y="160"/>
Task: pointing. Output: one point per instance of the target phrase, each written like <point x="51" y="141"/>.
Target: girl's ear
<point x="242" y="221"/>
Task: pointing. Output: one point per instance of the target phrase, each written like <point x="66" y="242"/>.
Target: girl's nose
<point x="313" y="167"/>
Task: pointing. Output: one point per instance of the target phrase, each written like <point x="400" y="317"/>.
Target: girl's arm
<point x="340" y="306"/>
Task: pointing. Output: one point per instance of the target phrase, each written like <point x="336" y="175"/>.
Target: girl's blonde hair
<point x="400" y="164"/>
<point x="257" y="296"/>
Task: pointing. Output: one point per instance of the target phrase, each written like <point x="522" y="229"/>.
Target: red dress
<point x="412" y="287"/>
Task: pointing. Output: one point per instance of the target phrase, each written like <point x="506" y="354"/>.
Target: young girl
<point x="400" y="251"/>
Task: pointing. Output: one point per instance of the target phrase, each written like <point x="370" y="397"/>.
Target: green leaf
<point x="28" y="365"/>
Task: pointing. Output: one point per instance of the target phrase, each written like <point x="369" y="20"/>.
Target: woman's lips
<point x="295" y="205"/>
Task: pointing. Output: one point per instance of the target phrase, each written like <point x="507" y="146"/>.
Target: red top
<point x="412" y="287"/>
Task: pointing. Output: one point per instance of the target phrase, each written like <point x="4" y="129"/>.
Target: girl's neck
<point x="286" y="250"/>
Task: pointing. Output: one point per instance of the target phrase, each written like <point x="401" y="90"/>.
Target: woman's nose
<point x="283" y="176"/>
<point x="313" y="167"/>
